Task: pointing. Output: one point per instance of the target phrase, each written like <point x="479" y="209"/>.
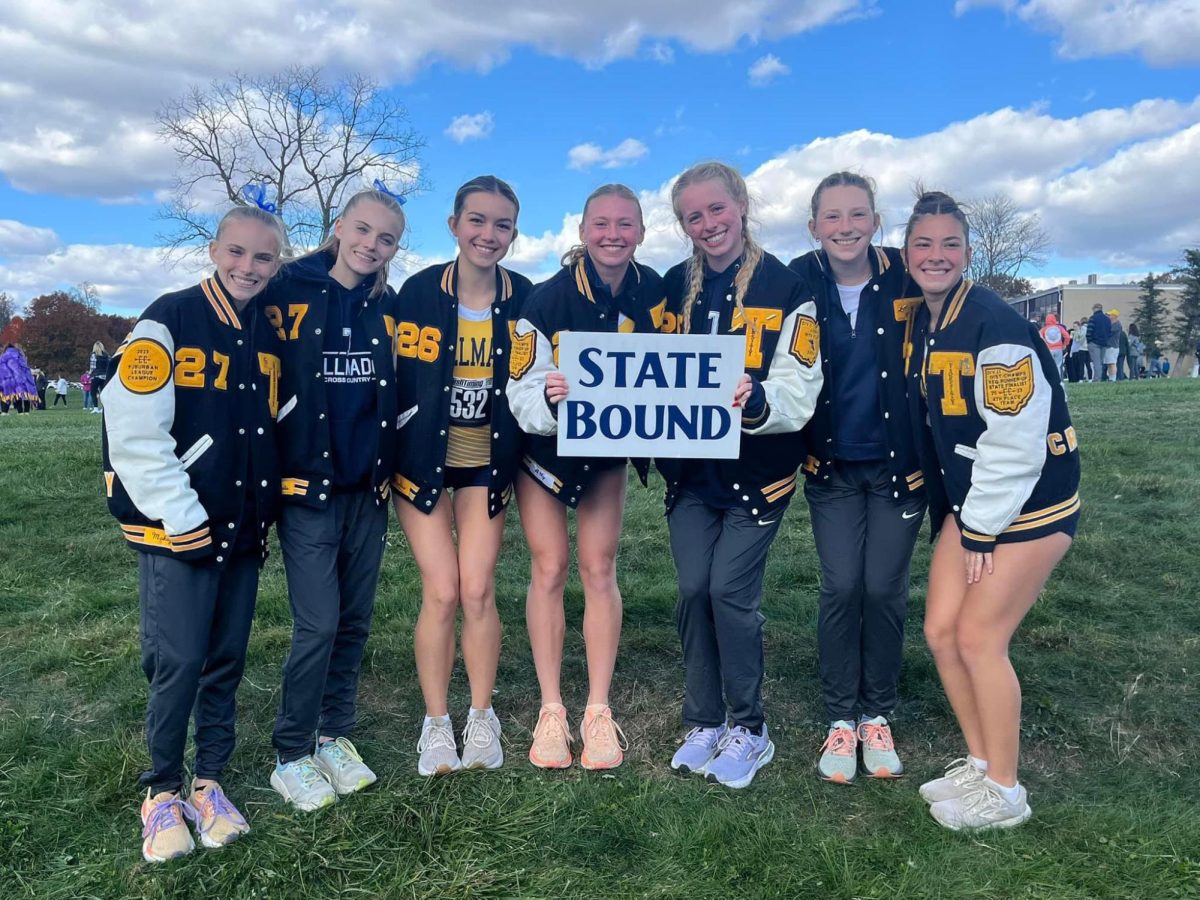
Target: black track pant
<point x="864" y="537"/>
<point x="332" y="558"/>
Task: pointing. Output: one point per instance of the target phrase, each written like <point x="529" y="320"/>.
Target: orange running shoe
<point x="551" y="748"/>
<point x="604" y="742"/>
<point x="839" y="753"/>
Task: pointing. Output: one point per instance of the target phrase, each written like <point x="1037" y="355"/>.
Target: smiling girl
<point x="190" y="473"/>
<point x="600" y="288"/>
<point x="724" y="514"/>
<point x="864" y="486"/>
<point x="457" y="454"/>
<point x="334" y="313"/>
<point x="1002" y="462"/>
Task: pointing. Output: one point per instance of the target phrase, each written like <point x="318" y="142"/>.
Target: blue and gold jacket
<point x="783" y="353"/>
<point x="189" y="426"/>
<point x="569" y="301"/>
<point x="893" y="312"/>
<point x="427" y="310"/>
<point x="992" y="428"/>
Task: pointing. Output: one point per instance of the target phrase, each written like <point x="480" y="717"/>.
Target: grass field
<point x="1110" y="659"/>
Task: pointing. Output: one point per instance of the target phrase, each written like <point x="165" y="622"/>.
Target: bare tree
<point x="308" y="141"/>
<point x="8" y="309"/>
<point x="1003" y="240"/>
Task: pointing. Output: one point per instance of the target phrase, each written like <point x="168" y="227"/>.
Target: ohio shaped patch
<point x="806" y="342"/>
<point x="521" y="356"/>
<point x="145" y="366"/>
<point x="1007" y="389"/>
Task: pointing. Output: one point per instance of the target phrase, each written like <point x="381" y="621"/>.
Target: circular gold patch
<point x="145" y="366"/>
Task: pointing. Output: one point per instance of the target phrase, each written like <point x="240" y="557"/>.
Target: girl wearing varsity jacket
<point x="864" y="486"/>
<point x="599" y="288"/>
<point x="191" y="475"/>
<point x="456" y="455"/>
<point x="1002" y="466"/>
<point x="724" y="514"/>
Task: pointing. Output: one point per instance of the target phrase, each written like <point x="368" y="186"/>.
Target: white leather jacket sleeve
<point x="1011" y="451"/>
<point x="141" y="448"/>
<point x="794" y="380"/>
<point x="530" y="361"/>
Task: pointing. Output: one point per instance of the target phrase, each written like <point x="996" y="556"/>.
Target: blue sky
<point x="1088" y="114"/>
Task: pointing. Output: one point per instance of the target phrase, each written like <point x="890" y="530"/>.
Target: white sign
<point x="663" y="395"/>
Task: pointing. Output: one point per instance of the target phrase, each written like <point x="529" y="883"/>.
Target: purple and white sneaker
<point x="697" y="750"/>
<point x="740" y="754"/>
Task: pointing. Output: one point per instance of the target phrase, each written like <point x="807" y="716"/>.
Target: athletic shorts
<point x="475" y="476"/>
<point x="1110" y="355"/>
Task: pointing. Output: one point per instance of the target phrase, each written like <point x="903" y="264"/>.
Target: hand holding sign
<point x="649" y="395"/>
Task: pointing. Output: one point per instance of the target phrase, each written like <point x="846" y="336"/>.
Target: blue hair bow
<point x="383" y="189"/>
<point x="257" y="194"/>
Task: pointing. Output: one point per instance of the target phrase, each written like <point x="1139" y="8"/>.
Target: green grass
<point x="1109" y="658"/>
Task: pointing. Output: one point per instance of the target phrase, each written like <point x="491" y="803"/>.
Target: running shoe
<point x="481" y="741"/>
<point x="301" y="784"/>
<point x="961" y="778"/>
<point x="604" y="742"/>
<point x="740" y="754"/>
<point x="343" y="766"/>
<point x="985" y="807"/>
<point x="551" y="748"/>
<point x="217" y="821"/>
<point x="839" y="762"/>
<point x="439" y="755"/>
<point x="697" y="750"/>
<point x="879" y="758"/>
<point x="164" y="829"/>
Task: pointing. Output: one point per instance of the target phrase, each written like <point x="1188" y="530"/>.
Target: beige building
<point x="1072" y="301"/>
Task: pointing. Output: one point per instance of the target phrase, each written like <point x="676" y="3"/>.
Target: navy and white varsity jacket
<point x="783" y="352"/>
<point x="892" y="315"/>
<point x="296" y="303"/>
<point x="427" y="309"/>
<point x="567" y="302"/>
<point x="189" y="418"/>
<point x="999" y="450"/>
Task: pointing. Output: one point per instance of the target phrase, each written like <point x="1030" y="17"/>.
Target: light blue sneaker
<point x="739" y="755"/>
<point x="697" y="750"/>
<point x="301" y="784"/>
<point x="343" y="766"/>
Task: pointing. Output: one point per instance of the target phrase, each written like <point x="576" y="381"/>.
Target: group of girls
<point x="892" y="382"/>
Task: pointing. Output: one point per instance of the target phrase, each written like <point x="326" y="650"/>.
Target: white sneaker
<point x="301" y="783"/>
<point x="341" y="764"/>
<point x="481" y="741"/>
<point x="961" y="778"/>
<point x="439" y="756"/>
<point x="983" y="808"/>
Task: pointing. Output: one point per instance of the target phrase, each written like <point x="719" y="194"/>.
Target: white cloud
<point x="1162" y="32"/>
<point x="17" y="238"/>
<point x="766" y="69"/>
<point x="80" y="81"/>
<point x="626" y="153"/>
<point x="1114" y="185"/>
<point x="471" y="127"/>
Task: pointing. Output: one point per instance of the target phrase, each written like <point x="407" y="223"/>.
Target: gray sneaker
<point x="981" y="809"/>
<point x="961" y="778"/>
<point x="341" y="764"/>
<point x="839" y="756"/>
<point x="436" y="746"/>
<point x="697" y="750"/>
<point x="481" y="741"/>
<point x="301" y="784"/>
<point x="879" y="758"/>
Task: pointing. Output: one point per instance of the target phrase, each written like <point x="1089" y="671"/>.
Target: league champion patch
<point x="145" y="366"/>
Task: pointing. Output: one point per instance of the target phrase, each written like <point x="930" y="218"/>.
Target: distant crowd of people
<point x="23" y="389"/>
<point x="1100" y="348"/>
